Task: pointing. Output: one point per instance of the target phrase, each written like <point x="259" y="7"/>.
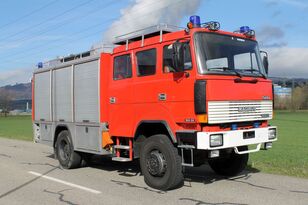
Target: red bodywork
<point x="137" y="97"/>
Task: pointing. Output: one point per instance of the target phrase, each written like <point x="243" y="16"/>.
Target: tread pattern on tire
<point x="175" y="177"/>
<point x="75" y="159"/>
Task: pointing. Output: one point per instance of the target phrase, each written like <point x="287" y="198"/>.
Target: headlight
<point x="216" y="140"/>
<point x="272" y="133"/>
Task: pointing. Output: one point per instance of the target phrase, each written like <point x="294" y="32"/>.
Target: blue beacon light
<point x="40" y="65"/>
<point x="245" y="29"/>
<point x="195" y="20"/>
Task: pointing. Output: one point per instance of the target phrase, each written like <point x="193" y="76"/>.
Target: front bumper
<point x="235" y="138"/>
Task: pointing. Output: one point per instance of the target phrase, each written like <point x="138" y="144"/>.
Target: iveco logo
<point x="246" y="109"/>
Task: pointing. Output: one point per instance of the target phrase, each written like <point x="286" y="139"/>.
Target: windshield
<point x="227" y="54"/>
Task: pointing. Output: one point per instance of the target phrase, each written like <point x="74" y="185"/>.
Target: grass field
<point x="16" y="127"/>
<point x="289" y="155"/>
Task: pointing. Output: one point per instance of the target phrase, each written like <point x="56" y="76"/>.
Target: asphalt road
<point x="30" y="175"/>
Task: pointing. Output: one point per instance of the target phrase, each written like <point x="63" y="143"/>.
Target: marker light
<point x="234" y="127"/>
<point x="195" y="20"/>
<point x="256" y="125"/>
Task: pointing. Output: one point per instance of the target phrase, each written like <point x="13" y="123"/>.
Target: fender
<point x="164" y="123"/>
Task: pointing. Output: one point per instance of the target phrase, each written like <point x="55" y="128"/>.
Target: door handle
<point x="112" y="100"/>
<point x="162" y="96"/>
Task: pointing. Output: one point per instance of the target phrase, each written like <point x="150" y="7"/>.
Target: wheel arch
<point x="58" y="130"/>
<point x="147" y="128"/>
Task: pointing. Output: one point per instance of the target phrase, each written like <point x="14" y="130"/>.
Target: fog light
<point x="214" y="153"/>
<point x="268" y="145"/>
<point x="216" y="140"/>
<point x="272" y="133"/>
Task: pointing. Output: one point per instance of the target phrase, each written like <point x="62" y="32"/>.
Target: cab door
<point x="120" y="96"/>
<point x="178" y="86"/>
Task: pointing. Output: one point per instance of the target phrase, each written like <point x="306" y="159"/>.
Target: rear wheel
<point x="65" y="153"/>
<point x="231" y="165"/>
<point x="160" y="163"/>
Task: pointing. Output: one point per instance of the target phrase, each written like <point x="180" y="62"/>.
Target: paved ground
<point x="29" y="175"/>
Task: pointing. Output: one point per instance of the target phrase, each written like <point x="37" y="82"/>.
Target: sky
<point x="33" y="31"/>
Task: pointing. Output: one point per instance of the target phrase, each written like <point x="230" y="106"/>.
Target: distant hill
<point x="21" y="91"/>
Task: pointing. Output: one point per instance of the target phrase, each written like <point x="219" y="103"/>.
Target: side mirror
<point x="178" y="56"/>
<point x="265" y="60"/>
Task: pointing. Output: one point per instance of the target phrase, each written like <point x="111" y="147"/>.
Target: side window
<point x="122" y="67"/>
<point x="146" y="62"/>
<point x="167" y="59"/>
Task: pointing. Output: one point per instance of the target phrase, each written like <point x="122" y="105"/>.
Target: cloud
<point x="9" y="77"/>
<point x="271" y="36"/>
<point x="145" y="13"/>
<point x="288" y="62"/>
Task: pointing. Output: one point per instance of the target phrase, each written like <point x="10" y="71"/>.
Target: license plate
<point x="248" y="135"/>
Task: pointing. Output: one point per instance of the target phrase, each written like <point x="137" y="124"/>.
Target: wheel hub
<point x="64" y="150"/>
<point x="156" y="163"/>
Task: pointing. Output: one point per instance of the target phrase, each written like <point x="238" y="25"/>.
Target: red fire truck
<point x="166" y="96"/>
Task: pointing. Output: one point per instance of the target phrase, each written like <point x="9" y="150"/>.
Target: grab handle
<point x="248" y="151"/>
<point x="240" y="80"/>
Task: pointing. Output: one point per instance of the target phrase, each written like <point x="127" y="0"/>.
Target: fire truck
<point x="169" y="97"/>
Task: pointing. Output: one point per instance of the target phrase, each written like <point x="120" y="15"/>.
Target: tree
<point x="5" y="101"/>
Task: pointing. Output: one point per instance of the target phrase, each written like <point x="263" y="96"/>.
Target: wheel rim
<point x="64" y="151"/>
<point x="156" y="163"/>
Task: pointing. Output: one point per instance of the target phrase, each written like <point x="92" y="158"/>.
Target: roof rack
<point x="142" y="34"/>
<point x="72" y="57"/>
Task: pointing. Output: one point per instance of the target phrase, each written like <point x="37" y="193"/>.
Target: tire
<point x="231" y="165"/>
<point x="160" y="163"/>
<point x="86" y="159"/>
<point x="67" y="157"/>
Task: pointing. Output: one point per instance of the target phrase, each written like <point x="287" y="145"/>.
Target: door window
<point x="122" y="67"/>
<point x="146" y="62"/>
<point x="168" y="55"/>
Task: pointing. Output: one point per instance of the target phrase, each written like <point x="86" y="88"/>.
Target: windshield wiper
<point x="263" y="75"/>
<point x="227" y="69"/>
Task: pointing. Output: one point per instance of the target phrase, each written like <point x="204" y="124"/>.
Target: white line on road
<point x="66" y="183"/>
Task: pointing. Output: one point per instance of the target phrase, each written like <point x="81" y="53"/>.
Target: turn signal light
<point x="202" y="118"/>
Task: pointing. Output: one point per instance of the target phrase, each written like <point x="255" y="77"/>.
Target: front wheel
<point x="160" y="163"/>
<point x="65" y="153"/>
<point x="231" y="165"/>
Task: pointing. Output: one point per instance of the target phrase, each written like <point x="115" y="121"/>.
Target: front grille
<point x="239" y="111"/>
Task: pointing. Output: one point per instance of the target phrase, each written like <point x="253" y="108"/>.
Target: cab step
<point x="190" y="149"/>
<point x="126" y="147"/>
<point x="123" y="150"/>
<point x="121" y="159"/>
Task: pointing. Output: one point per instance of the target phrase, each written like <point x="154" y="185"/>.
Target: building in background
<point x="282" y="92"/>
